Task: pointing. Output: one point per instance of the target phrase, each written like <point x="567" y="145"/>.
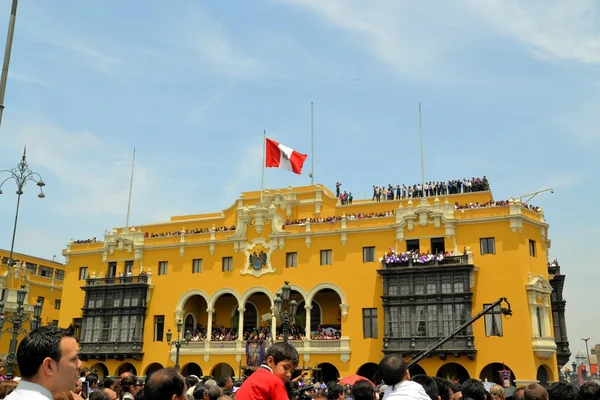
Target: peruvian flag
<point x="280" y="156"/>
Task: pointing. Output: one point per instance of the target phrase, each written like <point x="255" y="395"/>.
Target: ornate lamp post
<point x="21" y="174"/>
<point x="286" y="315"/>
<point x="17" y="320"/>
<point x="179" y="341"/>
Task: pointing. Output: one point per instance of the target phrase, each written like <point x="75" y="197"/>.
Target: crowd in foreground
<point x="50" y="370"/>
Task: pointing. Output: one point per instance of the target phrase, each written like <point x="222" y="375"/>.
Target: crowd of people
<point x="189" y="232"/>
<point x="399" y="192"/>
<point x="85" y="241"/>
<point x="295" y="332"/>
<point x="492" y="204"/>
<point x="393" y="257"/>
<point x="334" y="219"/>
<point x="50" y="370"/>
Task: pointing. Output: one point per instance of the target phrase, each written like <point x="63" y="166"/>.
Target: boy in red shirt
<point x="267" y="382"/>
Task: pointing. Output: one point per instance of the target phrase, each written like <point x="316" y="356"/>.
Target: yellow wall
<point x="48" y="287"/>
<point x="504" y="274"/>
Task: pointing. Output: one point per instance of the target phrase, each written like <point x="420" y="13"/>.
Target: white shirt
<point x="406" y="390"/>
<point x="29" y="391"/>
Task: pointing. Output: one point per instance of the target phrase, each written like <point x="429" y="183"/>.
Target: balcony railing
<point x="117" y="280"/>
<point x="111" y="349"/>
<point x="464" y="344"/>
<point x="236" y="347"/>
<point x="448" y="260"/>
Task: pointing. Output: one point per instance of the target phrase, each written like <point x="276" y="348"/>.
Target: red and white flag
<point x="280" y="156"/>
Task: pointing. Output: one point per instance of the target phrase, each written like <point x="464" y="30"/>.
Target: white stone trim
<point x="316" y="289"/>
<point x="215" y="296"/>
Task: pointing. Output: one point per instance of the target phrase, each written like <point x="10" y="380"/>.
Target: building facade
<point x="41" y="278"/>
<point x="217" y="272"/>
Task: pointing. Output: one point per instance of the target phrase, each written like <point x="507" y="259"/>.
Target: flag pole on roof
<point x="422" y="159"/>
<point x="130" y="189"/>
<point x="312" y="146"/>
<point x="264" y="162"/>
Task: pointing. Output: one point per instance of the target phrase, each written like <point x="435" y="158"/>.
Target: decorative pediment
<point x="538" y="284"/>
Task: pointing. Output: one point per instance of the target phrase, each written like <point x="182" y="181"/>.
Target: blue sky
<point x="509" y="89"/>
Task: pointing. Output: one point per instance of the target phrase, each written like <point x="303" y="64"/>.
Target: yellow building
<point x="42" y="279"/>
<point x="224" y="269"/>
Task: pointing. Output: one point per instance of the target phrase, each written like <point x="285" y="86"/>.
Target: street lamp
<point x="21" y="174"/>
<point x="285" y="314"/>
<point x="17" y="319"/>
<point x="179" y="341"/>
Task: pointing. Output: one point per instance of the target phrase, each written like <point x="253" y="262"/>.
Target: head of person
<point x="589" y="391"/>
<point x="131" y="384"/>
<point x="335" y="391"/>
<point x="473" y="389"/>
<point x="497" y="392"/>
<point x="214" y="392"/>
<point x="92" y="380"/>
<point x="563" y="391"/>
<point x="535" y="391"/>
<point x="200" y="393"/>
<point x="393" y="369"/>
<point x="104" y="394"/>
<point x="444" y="389"/>
<point x="49" y="357"/>
<point x="165" y="384"/>
<point x="519" y="394"/>
<point x="363" y="390"/>
<point x="225" y="382"/>
<point x="282" y="358"/>
<point x="428" y="384"/>
<point x="113" y="383"/>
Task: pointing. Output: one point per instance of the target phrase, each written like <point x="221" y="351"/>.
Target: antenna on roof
<point x="422" y="159"/>
<point x="130" y="189"/>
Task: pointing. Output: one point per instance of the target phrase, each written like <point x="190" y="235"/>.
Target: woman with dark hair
<point x="130" y="386"/>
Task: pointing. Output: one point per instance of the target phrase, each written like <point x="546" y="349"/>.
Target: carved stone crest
<point x="258" y="257"/>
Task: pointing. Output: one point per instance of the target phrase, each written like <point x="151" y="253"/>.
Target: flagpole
<point x="130" y="189"/>
<point x="422" y="159"/>
<point x="312" y="146"/>
<point x="264" y="161"/>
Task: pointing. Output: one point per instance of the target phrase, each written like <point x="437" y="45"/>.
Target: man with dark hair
<point x="200" y="393"/>
<point x="589" y="391"/>
<point x="225" y="383"/>
<point x="443" y="386"/>
<point x="394" y="373"/>
<point x="335" y="391"/>
<point x="563" y="391"/>
<point x="363" y="390"/>
<point x="473" y="389"/>
<point x="49" y="363"/>
<point x="456" y="390"/>
<point x="165" y="384"/>
<point x="535" y="391"/>
<point x="428" y="384"/>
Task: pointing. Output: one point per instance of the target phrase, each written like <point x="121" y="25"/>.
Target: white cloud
<point x="96" y="58"/>
<point x="395" y="34"/>
<point x="203" y="42"/>
<point x="247" y="175"/>
<point x="84" y="175"/>
<point x="563" y="30"/>
<point x="424" y="45"/>
<point x="26" y="78"/>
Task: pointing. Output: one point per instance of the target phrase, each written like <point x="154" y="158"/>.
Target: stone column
<point x="210" y="312"/>
<point x="241" y="323"/>
<point x="308" y="332"/>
